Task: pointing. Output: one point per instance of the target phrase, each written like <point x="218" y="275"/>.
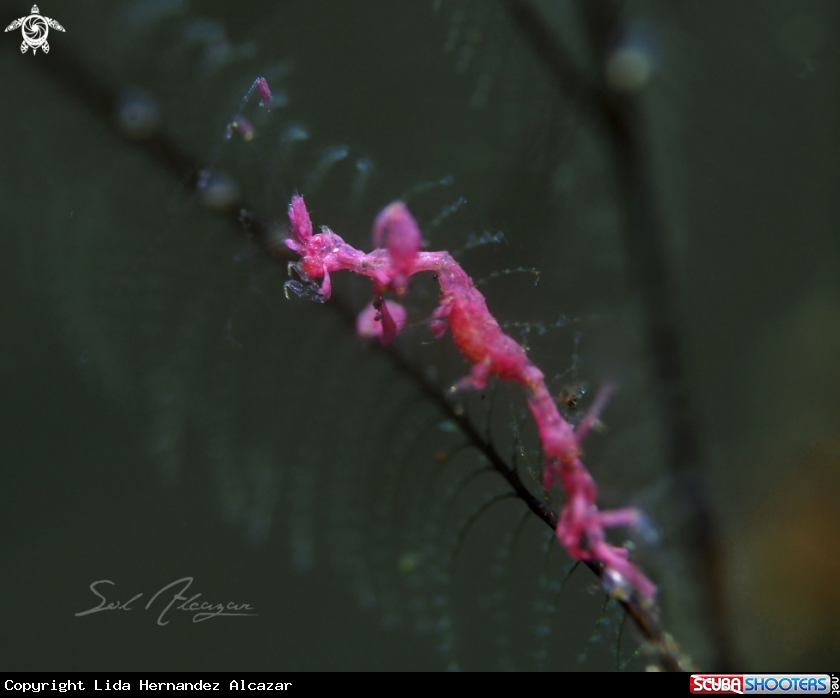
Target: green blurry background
<point x="168" y="413"/>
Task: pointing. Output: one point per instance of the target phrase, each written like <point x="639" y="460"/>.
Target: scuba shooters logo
<point x="789" y="684"/>
<point x="35" y="28"/>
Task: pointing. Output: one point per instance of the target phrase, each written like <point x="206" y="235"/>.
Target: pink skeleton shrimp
<point x="397" y="257"/>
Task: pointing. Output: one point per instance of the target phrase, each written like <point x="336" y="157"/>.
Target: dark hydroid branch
<point x="611" y="104"/>
<point x="99" y="98"/>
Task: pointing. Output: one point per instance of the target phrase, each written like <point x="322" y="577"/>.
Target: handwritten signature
<point x="202" y="610"/>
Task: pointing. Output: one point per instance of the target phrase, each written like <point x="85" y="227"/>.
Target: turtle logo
<point x="35" y="28"/>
